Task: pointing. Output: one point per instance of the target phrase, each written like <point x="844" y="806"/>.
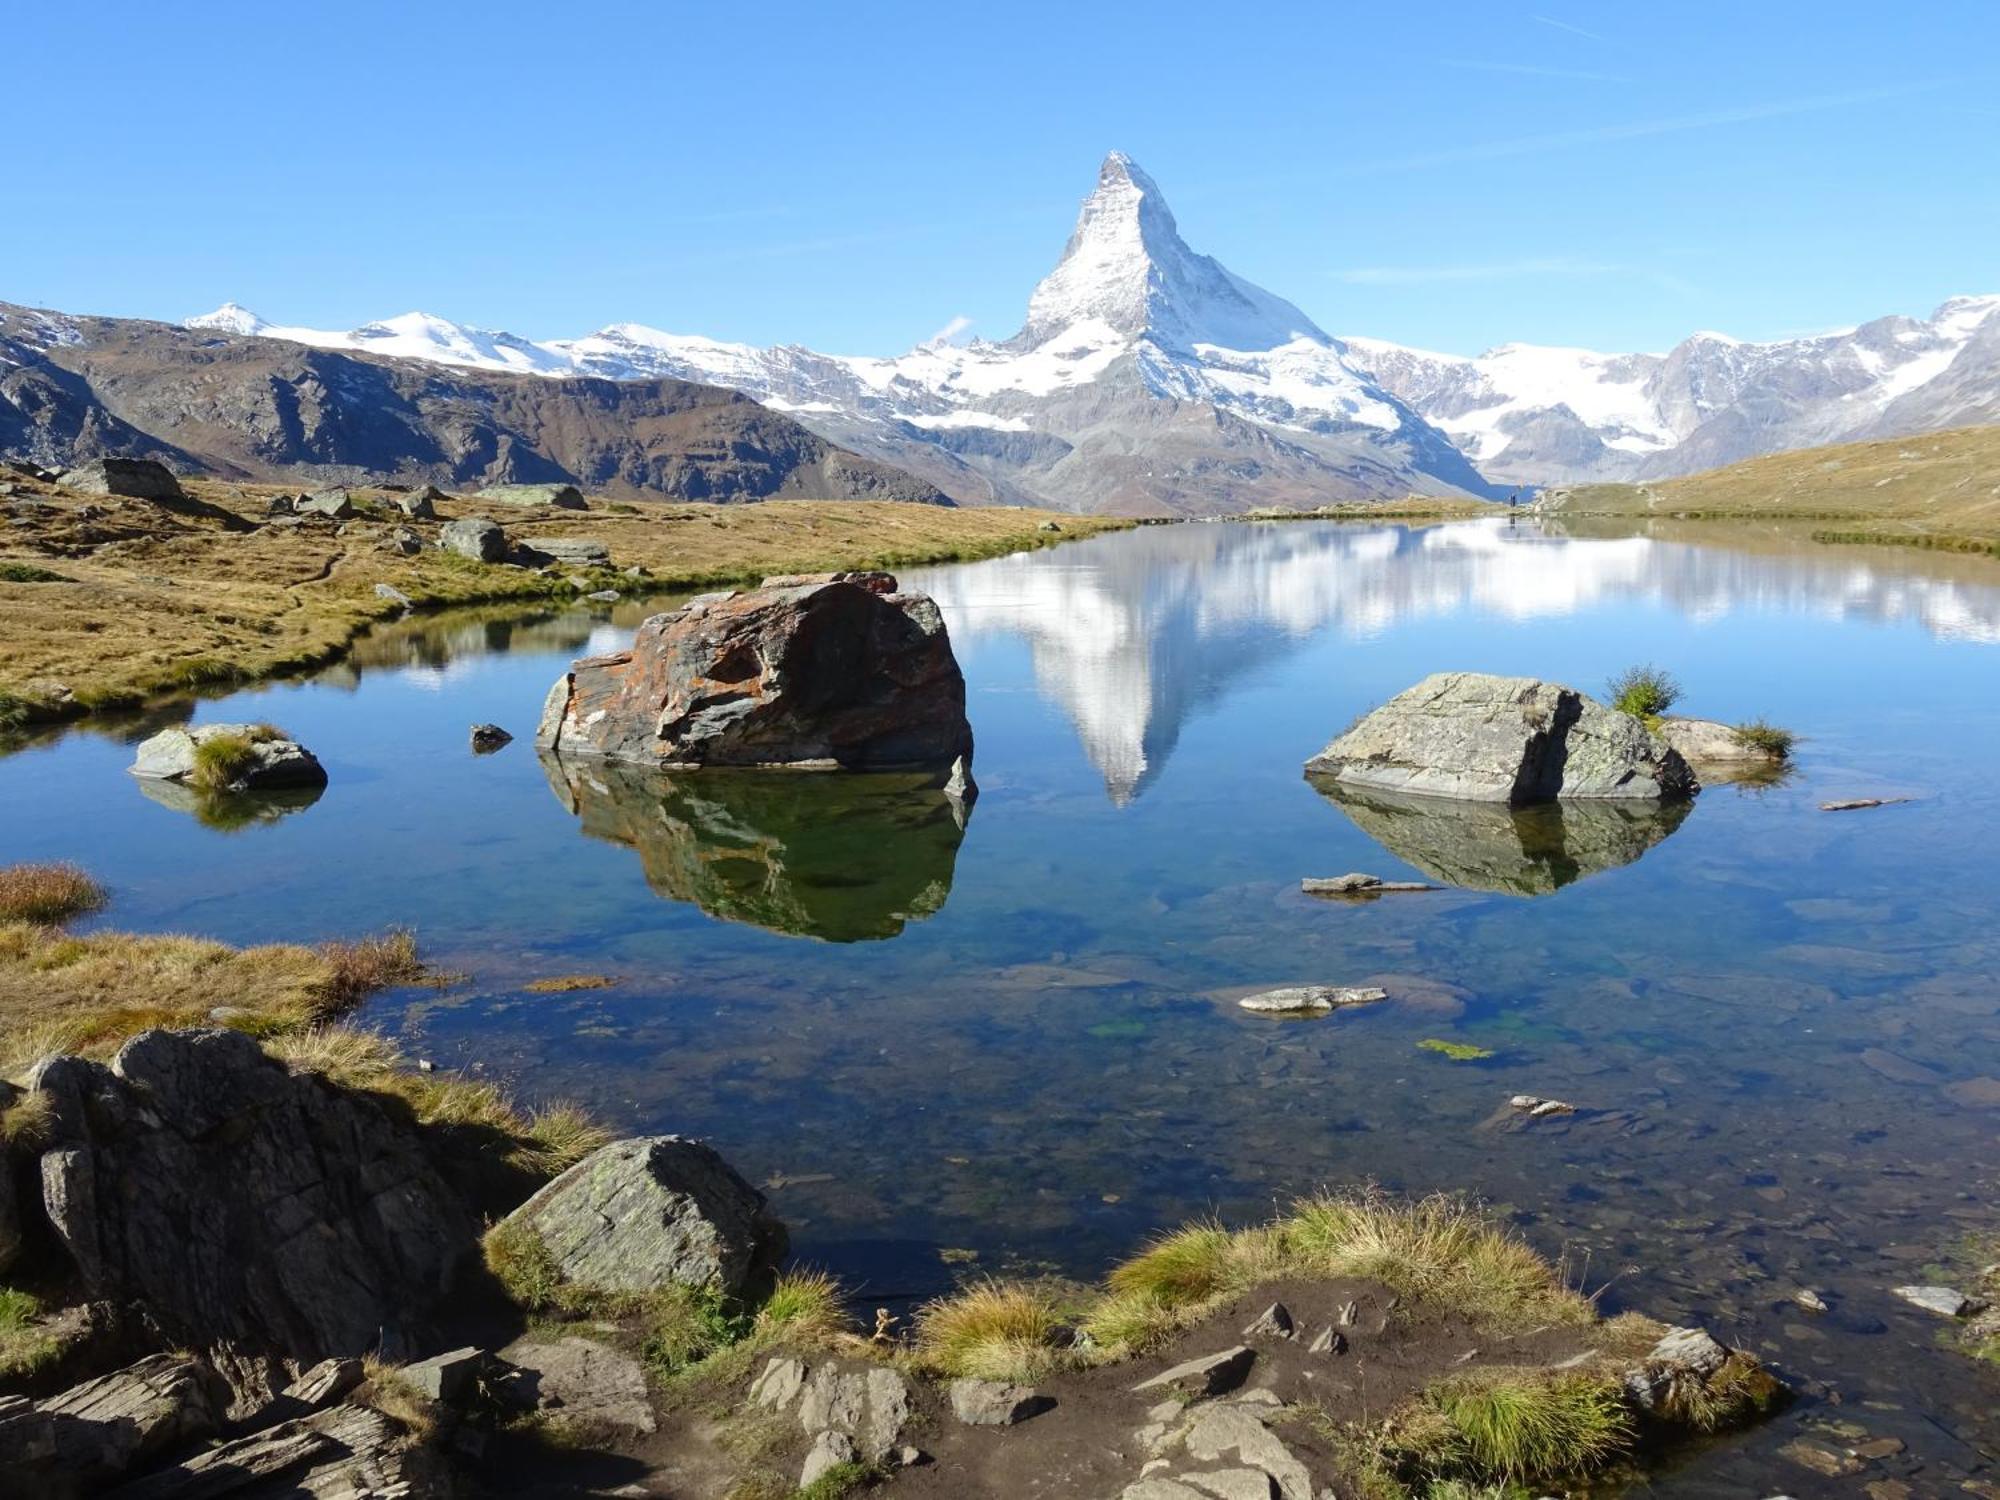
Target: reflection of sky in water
<point x="1776" y="1019"/>
<point x="1133" y="634"/>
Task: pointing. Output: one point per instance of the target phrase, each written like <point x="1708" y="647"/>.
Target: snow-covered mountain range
<point x="1148" y="378"/>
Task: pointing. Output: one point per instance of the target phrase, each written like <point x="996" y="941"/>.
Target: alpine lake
<point x="1011" y="1045"/>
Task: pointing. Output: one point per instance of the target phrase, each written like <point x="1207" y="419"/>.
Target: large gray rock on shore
<point x="834" y="671"/>
<point x="561" y="496"/>
<point x="255" y="1214"/>
<point x="274" y="761"/>
<point x="135" y="478"/>
<point x="1514" y="740"/>
<point x="654" y="1211"/>
<point x="474" y="537"/>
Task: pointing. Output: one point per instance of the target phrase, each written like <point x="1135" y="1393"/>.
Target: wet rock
<point x="654" y="1211"/>
<point x="995" y="1403"/>
<point x="1273" y="1322"/>
<point x="561" y="496"/>
<point x="1858" y="804"/>
<point x="474" y="537"/>
<point x="1309" y="999"/>
<point x="1511" y="740"/>
<point x="585" y="1381"/>
<point x="1359" y="885"/>
<point x="1538" y="1108"/>
<point x="135" y="478"/>
<point x="1821" y="1457"/>
<point x="1946" y="1302"/>
<point x="1210" y="1375"/>
<point x="1810" y="1300"/>
<point x="486" y="738"/>
<point x="821" y="676"/>
<point x="249" y="1212"/>
<point x="273" y="762"/>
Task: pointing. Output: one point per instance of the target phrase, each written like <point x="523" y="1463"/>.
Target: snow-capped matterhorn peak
<point x="1127" y="267"/>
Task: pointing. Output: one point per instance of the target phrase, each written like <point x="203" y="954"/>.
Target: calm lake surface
<point x="1018" y="1039"/>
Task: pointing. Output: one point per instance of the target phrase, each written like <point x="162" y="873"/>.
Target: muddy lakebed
<point x="1007" y="1042"/>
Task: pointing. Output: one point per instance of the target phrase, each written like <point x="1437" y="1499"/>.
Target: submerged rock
<point x="654" y="1211"/>
<point x="135" y="478"/>
<point x="1513" y="740"/>
<point x="1524" y="851"/>
<point x="834" y="672"/>
<point x="269" y="761"/>
<point x="1946" y="1302"/>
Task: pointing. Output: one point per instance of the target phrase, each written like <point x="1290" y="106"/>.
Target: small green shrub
<point x="221" y="761"/>
<point x="47" y="894"/>
<point x="1768" y="738"/>
<point x="20" y="572"/>
<point x="1643" y="692"/>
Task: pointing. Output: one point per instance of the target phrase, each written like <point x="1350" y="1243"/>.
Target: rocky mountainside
<point x="1532" y="415"/>
<point x="211" y="400"/>
<point x="1147" y="379"/>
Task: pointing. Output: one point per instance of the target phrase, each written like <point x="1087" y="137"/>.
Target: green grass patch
<point x="20" y="572"/>
<point x="1514" y="1424"/>
<point x="25" y="1346"/>
<point x="1456" y="1051"/>
<point x="1643" y="692"/>
<point x="1760" y="735"/>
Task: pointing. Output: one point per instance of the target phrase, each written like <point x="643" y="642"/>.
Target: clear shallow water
<point x="1018" y="1038"/>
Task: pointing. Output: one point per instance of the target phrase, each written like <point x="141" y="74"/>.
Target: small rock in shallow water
<point x="1810" y="1300"/>
<point x="1856" y="804"/>
<point x="1821" y="1458"/>
<point x="486" y="738"/>
<point x="1359" y="885"/>
<point x="1942" y="1300"/>
<point x="1529" y="1104"/>
<point x="1304" y="999"/>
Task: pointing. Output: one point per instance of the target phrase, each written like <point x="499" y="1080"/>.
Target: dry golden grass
<point x="50" y="893"/>
<point x="563" y="984"/>
<point x="1933" y="487"/>
<point x="206" y="594"/>
<point x="991" y="1330"/>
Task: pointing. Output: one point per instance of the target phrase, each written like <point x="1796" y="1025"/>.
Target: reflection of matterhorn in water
<point x="1133" y="634"/>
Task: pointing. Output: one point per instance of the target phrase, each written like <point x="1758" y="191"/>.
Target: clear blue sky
<point x="852" y="177"/>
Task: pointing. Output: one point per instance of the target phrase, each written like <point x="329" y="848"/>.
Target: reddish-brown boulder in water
<point x="820" y="671"/>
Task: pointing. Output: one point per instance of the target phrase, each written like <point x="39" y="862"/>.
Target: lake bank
<point x="109" y="603"/>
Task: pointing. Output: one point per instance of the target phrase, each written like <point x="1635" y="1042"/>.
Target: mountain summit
<point x="1127" y="267"/>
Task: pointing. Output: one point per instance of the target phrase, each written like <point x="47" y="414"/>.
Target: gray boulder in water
<point x="651" y="1212"/>
<point x="270" y="761"/>
<point x="825" y="672"/>
<point x="1513" y="740"/>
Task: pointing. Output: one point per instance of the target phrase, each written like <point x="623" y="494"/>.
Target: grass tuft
<point x="1643" y="692"/>
<point x="385" y="1388"/>
<point x="990" y="1330"/>
<point x="1768" y="738"/>
<point x="222" y="761"/>
<point x="49" y="894"/>
<point x="1517" y="1424"/>
<point x="25" y="1345"/>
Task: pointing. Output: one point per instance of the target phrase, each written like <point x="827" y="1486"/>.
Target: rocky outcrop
<point x="561" y="496"/>
<point x="137" y="478"/>
<point x="268" y="760"/>
<point x="1718" y="752"/>
<point x="1513" y="740"/>
<point x="579" y="1381"/>
<point x="1521" y="851"/>
<point x="837" y="671"/>
<point x="246" y="1211"/>
<point x="845" y="859"/>
<point x="853" y="1413"/>
<point x="474" y="538"/>
<point x="650" y="1212"/>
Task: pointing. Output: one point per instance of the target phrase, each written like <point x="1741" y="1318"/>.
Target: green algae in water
<point x="1456" y="1051"/>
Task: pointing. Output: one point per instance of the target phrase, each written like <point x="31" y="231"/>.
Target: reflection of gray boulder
<point x="1488" y="846"/>
<point x="1504" y="739"/>
<point x="843" y="858"/>
<point x="226" y="812"/>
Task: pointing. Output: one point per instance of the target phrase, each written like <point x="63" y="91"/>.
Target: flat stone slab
<point x="1359" y="885"/>
<point x="1946" y="1302"/>
<point x="1210" y="1375"/>
<point x="1311" y="999"/>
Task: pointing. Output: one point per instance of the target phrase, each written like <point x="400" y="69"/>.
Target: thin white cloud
<point x="950" y="330"/>
<point x="1529" y="145"/>
<point x="1571" y="29"/>
<point x="1531" y="70"/>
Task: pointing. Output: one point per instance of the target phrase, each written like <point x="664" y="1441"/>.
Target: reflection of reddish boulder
<point x="826" y="671"/>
